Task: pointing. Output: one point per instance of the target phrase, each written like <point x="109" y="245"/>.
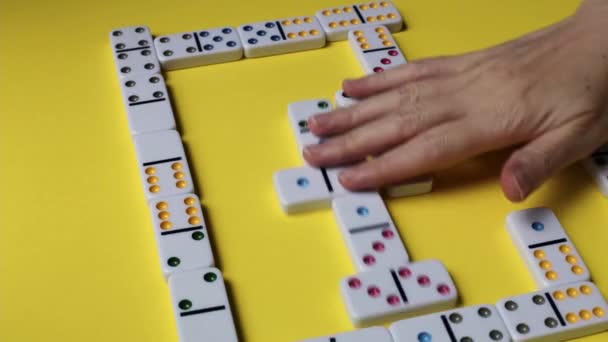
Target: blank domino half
<point x="133" y="51"/>
<point x="338" y="21"/>
<point x="597" y="166"/>
<point x="190" y="49"/>
<point x="546" y="248"/>
<point x="306" y="188"/>
<point x="181" y="233"/>
<point x="479" y="323"/>
<point x="387" y="294"/>
<point x="415" y="186"/>
<point x="299" y="113"/>
<point x="163" y="165"/>
<point x="201" y="306"/>
<point x="376" y="49"/>
<point x="147" y="103"/>
<point x="281" y="36"/>
<point x="374" y="334"/>
<point x="557" y="314"/>
<point x="369" y="231"/>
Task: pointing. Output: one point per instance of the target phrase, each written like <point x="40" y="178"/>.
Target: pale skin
<point x="545" y="95"/>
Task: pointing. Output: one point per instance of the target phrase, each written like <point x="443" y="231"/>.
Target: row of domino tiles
<point x="136" y="52"/>
<point x="566" y="306"/>
<point x="198" y="293"/>
<point x="391" y="287"/>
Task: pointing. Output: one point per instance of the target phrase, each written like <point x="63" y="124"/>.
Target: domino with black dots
<point x="197" y="48"/>
<point x="280" y="36"/>
<point x="557" y="314"/>
<point x="478" y="323"/>
<point x="133" y="51"/>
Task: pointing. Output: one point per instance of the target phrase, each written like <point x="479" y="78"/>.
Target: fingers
<point x="344" y="119"/>
<point x="531" y="165"/>
<point x="406" y="98"/>
<point x="435" y="149"/>
<point x="374" y="137"/>
<point x="392" y="78"/>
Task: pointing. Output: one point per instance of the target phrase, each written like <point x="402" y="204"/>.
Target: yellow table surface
<point x="78" y="260"/>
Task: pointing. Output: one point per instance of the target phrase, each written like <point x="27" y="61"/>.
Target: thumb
<point x="531" y="165"/>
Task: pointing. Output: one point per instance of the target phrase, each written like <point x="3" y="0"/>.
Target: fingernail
<point x="310" y="150"/>
<point x="346" y="177"/>
<point x="521" y="183"/>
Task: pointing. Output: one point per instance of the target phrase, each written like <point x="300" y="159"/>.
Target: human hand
<point x="546" y="92"/>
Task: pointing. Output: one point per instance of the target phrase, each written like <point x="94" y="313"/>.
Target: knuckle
<point x="439" y="146"/>
<point x="409" y="95"/>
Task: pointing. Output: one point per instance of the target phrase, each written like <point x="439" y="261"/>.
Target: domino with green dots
<point x="299" y="113"/>
<point x="201" y="306"/>
<point x="181" y="233"/>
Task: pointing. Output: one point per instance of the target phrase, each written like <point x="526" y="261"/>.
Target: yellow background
<point x="78" y="260"/>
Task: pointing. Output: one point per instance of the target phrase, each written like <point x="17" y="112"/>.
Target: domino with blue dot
<point x="280" y="36"/>
<point x="480" y="323"/>
<point x="369" y="231"/>
<point x="545" y="247"/>
<point x="133" y="50"/>
<point x="203" y="47"/>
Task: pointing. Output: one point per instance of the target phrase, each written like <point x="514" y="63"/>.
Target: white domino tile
<point x="133" y="51"/>
<point x="558" y="314"/>
<point x="343" y="100"/>
<point x="181" y="233"/>
<point x="299" y="113"/>
<point x="413" y="187"/>
<point x="163" y="164"/>
<point x="375" y="49"/>
<point x="337" y="21"/>
<point x="479" y="323"/>
<point x="597" y="166"/>
<point x="306" y="188"/>
<point x="373" y="334"/>
<point x="388" y="294"/>
<point x="369" y="231"/>
<point x="201" y="306"/>
<point x="147" y="103"/>
<point x="546" y="248"/>
<point x="280" y="36"/>
<point x="203" y="47"/>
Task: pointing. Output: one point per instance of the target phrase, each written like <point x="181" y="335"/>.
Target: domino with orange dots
<point x="281" y="36"/>
<point x="546" y="248"/>
<point x="376" y="49"/>
<point x="183" y="240"/>
<point x="163" y="165"/>
<point x="558" y="314"/>
<point x="338" y="21"/>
